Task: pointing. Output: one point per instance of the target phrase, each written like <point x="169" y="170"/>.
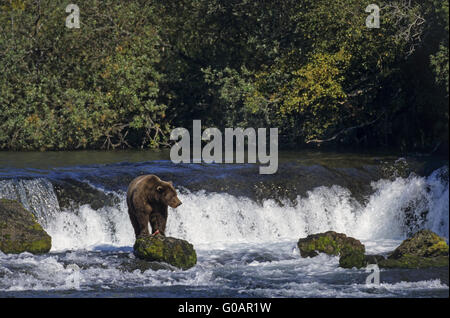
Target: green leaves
<point x="134" y="69"/>
<point x="93" y="87"/>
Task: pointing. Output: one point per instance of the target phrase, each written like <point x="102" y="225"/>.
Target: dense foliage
<point x="135" y="69"/>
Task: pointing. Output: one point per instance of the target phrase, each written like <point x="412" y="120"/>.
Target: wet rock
<point x="352" y="259"/>
<point x="398" y="169"/>
<point x="72" y="194"/>
<point x="350" y="250"/>
<point x="19" y="230"/>
<point x="424" y="249"/>
<point x="373" y="259"/>
<point x="424" y="243"/>
<point x="176" y="252"/>
<point x="414" y="262"/>
<point x="142" y="266"/>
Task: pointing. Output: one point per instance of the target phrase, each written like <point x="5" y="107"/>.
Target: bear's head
<point x="168" y="194"/>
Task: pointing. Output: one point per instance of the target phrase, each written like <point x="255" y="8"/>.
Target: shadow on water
<point x="112" y="248"/>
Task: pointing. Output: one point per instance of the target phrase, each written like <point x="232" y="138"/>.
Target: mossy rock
<point x="350" y="250"/>
<point x="176" y="252"/>
<point x="352" y="259"/>
<point x="410" y="261"/>
<point x="19" y="230"/>
<point x="423" y="250"/>
<point x="373" y="259"/>
<point x="424" y="243"/>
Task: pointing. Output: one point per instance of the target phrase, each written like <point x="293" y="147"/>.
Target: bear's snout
<point x="175" y="202"/>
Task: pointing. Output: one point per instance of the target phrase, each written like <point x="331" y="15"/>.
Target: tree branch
<point x="344" y="131"/>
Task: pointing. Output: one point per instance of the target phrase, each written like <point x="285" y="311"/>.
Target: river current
<point x="243" y="225"/>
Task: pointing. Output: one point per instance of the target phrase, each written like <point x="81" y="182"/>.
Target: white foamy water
<point x="36" y="195"/>
<point x="239" y="270"/>
<point x="215" y="218"/>
<point x="89" y="228"/>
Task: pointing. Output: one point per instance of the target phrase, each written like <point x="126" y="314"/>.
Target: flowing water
<point x="244" y="226"/>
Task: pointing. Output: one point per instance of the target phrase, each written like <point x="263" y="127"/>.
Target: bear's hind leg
<point x="135" y="224"/>
<point x="142" y="221"/>
<point x="158" y="224"/>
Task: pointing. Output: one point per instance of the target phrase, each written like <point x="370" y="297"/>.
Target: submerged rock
<point x="424" y="249"/>
<point x="350" y="250"/>
<point x="143" y="265"/>
<point x="19" y="230"/>
<point x="176" y="252"/>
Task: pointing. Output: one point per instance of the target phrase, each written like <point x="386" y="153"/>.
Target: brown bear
<point x="147" y="199"/>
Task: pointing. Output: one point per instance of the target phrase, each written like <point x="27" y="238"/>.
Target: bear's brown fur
<point x="147" y="200"/>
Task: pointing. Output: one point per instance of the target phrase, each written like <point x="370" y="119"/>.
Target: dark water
<point x="243" y="225"/>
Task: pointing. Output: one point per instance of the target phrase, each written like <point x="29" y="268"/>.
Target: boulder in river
<point x="350" y="250"/>
<point x="159" y="248"/>
<point x="19" y="230"/>
<point x="424" y="249"/>
<point x="373" y="258"/>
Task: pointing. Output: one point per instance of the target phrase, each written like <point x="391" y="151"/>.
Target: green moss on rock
<point x="352" y="259"/>
<point x="424" y="249"/>
<point x="19" y="230"/>
<point x="176" y="252"/>
<point x="424" y="243"/>
<point x="373" y="259"/>
<point x="409" y="261"/>
<point x="350" y="250"/>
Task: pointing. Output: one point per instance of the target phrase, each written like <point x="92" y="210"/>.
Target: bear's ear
<point x="159" y="188"/>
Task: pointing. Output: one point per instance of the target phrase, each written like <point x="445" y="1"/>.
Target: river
<point x="243" y="225"/>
